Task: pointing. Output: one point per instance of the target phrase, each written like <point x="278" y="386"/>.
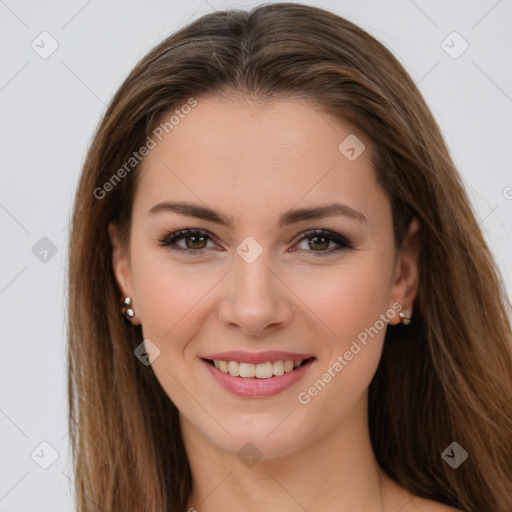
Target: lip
<point x="240" y="356"/>
<point x="254" y="387"/>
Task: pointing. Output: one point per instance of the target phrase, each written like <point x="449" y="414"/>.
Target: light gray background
<point x="50" y="107"/>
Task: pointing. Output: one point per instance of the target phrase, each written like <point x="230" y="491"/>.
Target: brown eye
<point x="194" y="241"/>
<point x="319" y="241"/>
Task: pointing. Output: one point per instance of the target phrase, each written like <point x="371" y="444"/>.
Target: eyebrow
<point x="287" y="218"/>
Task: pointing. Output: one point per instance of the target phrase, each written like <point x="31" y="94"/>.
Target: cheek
<point x="348" y="299"/>
<point x="353" y="304"/>
<point x="173" y="307"/>
<point x="170" y="297"/>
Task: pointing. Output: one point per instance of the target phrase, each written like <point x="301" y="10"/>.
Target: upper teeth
<point x="261" y="370"/>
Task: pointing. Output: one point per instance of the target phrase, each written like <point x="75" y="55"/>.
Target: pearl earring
<point x="127" y="308"/>
<point x="406" y="319"/>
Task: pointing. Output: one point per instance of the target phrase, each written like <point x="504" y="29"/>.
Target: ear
<point x="406" y="274"/>
<point x="122" y="269"/>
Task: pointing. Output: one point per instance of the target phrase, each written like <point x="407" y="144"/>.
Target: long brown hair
<point x="446" y="378"/>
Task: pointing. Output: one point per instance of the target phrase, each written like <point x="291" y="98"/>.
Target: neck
<point x="338" y="472"/>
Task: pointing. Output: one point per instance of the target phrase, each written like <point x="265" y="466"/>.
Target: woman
<point x="279" y="296"/>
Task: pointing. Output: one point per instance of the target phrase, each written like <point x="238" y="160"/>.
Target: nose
<point x="256" y="301"/>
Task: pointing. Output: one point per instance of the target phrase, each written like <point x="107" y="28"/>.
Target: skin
<point x="255" y="162"/>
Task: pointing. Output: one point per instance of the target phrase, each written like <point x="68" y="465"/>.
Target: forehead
<point x="239" y="154"/>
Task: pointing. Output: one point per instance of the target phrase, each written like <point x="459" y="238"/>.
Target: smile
<point x="260" y="371"/>
<point x="259" y="378"/>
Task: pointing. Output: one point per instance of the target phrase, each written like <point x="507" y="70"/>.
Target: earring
<point x="127" y="308"/>
<point x="406" y="319"/>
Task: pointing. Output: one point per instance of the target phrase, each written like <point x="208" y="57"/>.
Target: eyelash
<point x="171" y="238"/>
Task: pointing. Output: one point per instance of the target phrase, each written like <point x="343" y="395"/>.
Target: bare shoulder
<point x="399" y="498"/>
<point x="423" y="505"/>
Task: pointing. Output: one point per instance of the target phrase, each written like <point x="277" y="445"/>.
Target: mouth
<point x="266" y="370"/>
<point x="257" y="380"/>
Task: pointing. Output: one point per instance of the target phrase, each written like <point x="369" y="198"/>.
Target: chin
<point x="268" y="435"/>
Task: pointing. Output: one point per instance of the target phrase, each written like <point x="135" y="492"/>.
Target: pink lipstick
<point x="257" y="375"/>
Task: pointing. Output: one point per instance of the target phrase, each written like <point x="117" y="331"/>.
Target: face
<point x="261" y="277"/>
